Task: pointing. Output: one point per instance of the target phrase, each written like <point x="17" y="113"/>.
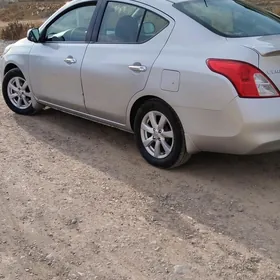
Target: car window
<point x="121" y="23"/>
<point x="152" y="25"/>
<point x="71" y="26"/>
<point x="124" y="23"/>
<point x="231" y="18"/>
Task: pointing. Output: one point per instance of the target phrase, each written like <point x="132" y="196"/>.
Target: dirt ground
<point x="78" y="202"/>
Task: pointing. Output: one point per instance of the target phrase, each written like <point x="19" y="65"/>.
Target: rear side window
<point x="231" y="18"/>
<point x="124" y="23"/>
<point x="151" y="26"/>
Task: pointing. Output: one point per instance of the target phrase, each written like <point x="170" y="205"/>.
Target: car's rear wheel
<point x="17" y="94"/>
<point x="159" y="135"/>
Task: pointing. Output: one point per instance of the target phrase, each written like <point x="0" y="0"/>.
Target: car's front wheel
<point x="17" y="94"/>
<point x="159" y="135"/>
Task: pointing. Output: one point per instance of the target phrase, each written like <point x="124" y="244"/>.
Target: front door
<point x="55" y="64"/>
<point x="118" y="64"/>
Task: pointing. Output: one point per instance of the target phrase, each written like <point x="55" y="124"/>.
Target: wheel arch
<point x="13" y="66"/>
<point x="138" y="103"/>
<point x="10" y="66"/>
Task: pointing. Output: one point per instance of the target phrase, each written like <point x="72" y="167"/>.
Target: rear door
<point x="118" y="61"/>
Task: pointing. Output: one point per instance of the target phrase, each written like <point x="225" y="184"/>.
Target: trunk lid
<point x="268" y="48"/>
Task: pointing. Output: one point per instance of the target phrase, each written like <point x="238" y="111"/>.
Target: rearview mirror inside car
<point x="33" y="35"/>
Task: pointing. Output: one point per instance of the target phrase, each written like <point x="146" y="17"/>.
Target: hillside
<point x="28" y="10"/>
<point x="34" y="10"/>
<point x="17" y="16"/>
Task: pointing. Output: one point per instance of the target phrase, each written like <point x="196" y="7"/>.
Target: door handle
<point x="138" y="68"/>
<point x="70" y="60"/>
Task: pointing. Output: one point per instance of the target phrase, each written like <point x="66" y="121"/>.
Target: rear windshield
<point x="231" y="18"/>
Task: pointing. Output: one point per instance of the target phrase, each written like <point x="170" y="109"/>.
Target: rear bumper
<point x="245" y="126"/>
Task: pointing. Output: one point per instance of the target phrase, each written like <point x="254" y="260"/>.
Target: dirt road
<point x="78" y="202"/>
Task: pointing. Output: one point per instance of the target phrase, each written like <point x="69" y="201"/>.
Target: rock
<point x="153" y="219"/>
<point x="263" y="249"/>
<point x="181" y="269"/>
<point x="240" y="208"/>
<point x="49" y="259"/>
<point x="255" y="259"/>
<point x="72" y="222"/>
<point x="203" y="231"/>
<point x="142" y="219"/>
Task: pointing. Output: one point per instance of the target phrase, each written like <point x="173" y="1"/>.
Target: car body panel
<point x="110" y="63"/>
<point x="54" y="81"/>
<point x="18" y="55"/>
<point x="245" y="126"/>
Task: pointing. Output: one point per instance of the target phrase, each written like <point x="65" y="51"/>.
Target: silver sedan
<point x="183" y="76"/>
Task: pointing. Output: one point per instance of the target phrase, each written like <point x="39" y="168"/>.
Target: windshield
<point x="231" y="18"/>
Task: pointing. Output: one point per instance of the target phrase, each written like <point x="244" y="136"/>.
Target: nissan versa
<point x="183" y="76"/>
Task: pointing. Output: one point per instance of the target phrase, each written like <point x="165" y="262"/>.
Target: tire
<point x="15" y="88"/>
<point x="164" y="144"/>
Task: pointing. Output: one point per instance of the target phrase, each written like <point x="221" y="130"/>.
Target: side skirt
<point x="86" y="116"/>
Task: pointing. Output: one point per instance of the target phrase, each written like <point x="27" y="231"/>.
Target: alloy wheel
<point x="19" y="93"/>
<point x="157" y="134"/>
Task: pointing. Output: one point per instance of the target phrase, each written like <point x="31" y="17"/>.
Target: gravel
<point x="83" y="204"/>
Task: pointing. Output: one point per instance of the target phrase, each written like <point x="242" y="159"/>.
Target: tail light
<point x="248" y="80"/>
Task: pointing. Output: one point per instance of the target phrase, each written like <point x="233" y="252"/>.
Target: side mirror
<point x="33" y="35"/>
<point x="148" y="28"/>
